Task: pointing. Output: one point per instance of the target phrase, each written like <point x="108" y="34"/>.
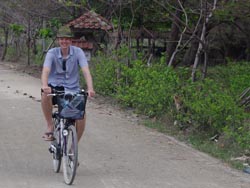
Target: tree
<point x="194" y="29"/>
<point x="6" y="19"/>
<point x="189" y="25"/>
<point x="203" y="43"/>
<point x="32" y="15"/>
<point x="232" y="19"/>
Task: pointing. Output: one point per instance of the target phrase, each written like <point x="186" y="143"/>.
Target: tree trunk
<point x="178" y="45"/>
<point x="248" y="50"/>
<point x="34" y="46"/>
<point x="28" y="43"/>
<point x="174" y="35"/>
<point x="199" y="51"/>
<point x="43" y="40"/>
<point x="189" y="56"/>
<point x="6" y="35"/>
<point x="204" y="70"/>
<point x="203" y="43"/>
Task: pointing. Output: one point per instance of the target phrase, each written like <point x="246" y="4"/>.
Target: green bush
<point x="212" y="106"/>
<point x="104" y="70"/>
<point x="234" y="77"/>
<point x="209" y="107"/>
<point x="149" y="89"/>
<point x="239" y="77"/>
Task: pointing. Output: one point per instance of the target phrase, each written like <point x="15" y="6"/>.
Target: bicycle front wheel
<point x="57" y="156"/>
<point x="70" y="155"/>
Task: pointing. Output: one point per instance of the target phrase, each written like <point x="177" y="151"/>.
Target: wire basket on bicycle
<point x="72" y="106"/>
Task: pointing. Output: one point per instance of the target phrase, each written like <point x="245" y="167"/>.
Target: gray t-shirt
<point x="69" y="78"/>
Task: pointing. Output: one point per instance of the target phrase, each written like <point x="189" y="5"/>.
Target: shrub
<point x="209" y="107"/>
<point x="104" y="75"/>
<point x="234" y="77"/>
<point x="149" y="89"/>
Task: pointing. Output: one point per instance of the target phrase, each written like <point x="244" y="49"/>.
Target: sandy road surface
<point x="114" y="153"/>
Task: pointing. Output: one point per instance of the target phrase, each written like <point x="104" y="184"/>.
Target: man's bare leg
<point x="80" y="127"/>
<point x="47" y="111"/>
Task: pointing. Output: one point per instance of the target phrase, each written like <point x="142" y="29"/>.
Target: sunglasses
<point x="64" y="64"/>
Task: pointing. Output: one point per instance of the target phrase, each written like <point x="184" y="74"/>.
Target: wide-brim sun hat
<point x="64" y="32"/>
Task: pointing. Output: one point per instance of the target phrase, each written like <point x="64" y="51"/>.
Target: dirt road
<point x="114" y="153"/>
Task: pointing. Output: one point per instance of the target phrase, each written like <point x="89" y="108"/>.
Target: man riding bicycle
<point x="61" y="71"/>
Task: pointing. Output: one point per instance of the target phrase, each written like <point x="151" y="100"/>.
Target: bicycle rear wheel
<point x="70" y="155"/>
<point x="57" y="156"/>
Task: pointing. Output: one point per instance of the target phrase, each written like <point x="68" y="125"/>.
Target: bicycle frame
<point x="65" y="146"/>
<point x="64" y="133"/>
<point x="62" y="129"/>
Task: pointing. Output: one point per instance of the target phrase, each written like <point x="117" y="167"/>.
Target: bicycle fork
<point x="64" y="135"/>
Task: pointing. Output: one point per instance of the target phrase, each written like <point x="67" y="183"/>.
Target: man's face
<point x="64" y="42"/>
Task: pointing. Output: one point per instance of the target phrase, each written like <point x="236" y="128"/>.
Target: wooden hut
<point x="90" y="30"/>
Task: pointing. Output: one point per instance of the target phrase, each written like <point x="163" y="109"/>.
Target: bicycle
<point x="64" y="148"/>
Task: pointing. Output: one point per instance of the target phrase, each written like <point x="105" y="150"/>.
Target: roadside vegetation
<point x="206" y="113"/>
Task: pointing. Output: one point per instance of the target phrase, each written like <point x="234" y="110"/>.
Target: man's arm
<point x="44" y="78"/>
<point x="88" y="79"/>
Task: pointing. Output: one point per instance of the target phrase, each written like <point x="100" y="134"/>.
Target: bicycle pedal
<point x="52" y="149"/>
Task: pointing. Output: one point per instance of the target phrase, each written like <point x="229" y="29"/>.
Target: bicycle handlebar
<point x="60" y="93"/>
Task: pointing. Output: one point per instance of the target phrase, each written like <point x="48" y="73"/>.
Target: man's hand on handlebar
<point x="91" y="93"/>
<point x="46" y="90"/>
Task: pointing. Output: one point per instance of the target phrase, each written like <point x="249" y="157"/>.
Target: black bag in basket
<point x="73" y="108"/>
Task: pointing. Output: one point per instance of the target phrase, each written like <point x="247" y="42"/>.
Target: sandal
<point x="48" y="136"/>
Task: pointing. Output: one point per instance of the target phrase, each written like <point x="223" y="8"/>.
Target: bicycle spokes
<point x="70" y="155"/>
